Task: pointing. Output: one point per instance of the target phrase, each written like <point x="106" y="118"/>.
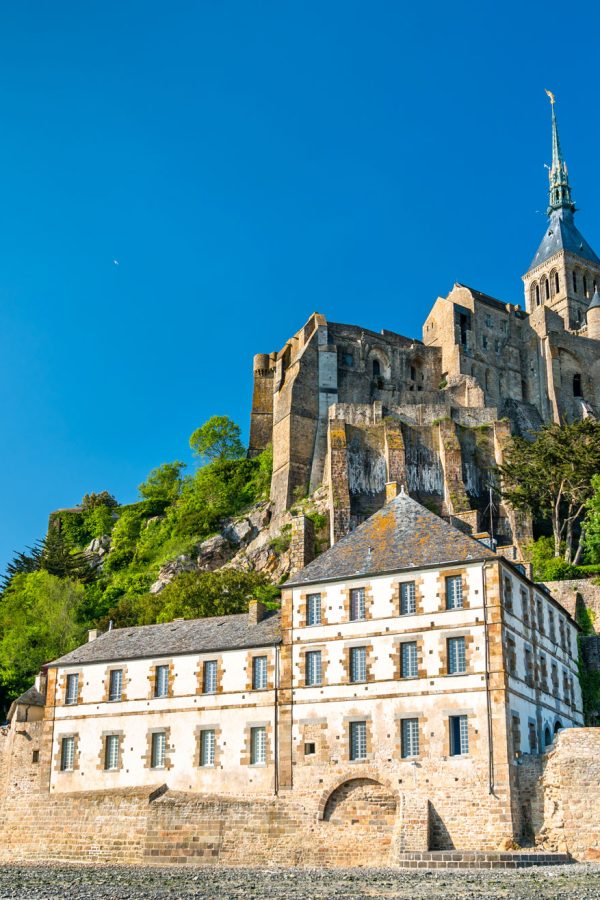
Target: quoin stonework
<point x="416" y="693"/>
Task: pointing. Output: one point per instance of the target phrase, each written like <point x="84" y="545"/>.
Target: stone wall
<point x="577" y="595"/>
<point x="560" y="792"/>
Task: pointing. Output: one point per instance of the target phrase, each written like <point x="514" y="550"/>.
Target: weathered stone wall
<point x="560" y="793"/>
<point x="576" y="595"/>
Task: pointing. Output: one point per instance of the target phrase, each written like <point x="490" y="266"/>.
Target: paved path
<point x="59" y="882"/>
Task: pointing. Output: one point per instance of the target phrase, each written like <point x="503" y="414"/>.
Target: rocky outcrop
<point x="96" y="551"/>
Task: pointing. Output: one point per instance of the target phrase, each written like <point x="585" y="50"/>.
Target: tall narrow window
<point x="258" y="746"/>
<point x="566" y="693"/>
<point x="457" y="659"/>
<point x="524" y="607"/>
<point x="72" y="694"/>
<point x="540" y="615"/>
<point x="358" y="664"/>
<point x="209" y="676"/>
<point x="528" y="666"/>
<point x="537" y="295"/>
<point x="111" y="752"/>
<point x="459" y="735"/>
<point x="551" y="626"/>
<point x="555" y="679"/>
<point x="547" y="289"/>
<point x="532" y="738"/>
<point x="358" y="740"/>
<point x="508" y="596"/>
<point x="409" y="738"/>
<point x="357" y="604"/>
<point x="207" y="747"/>
<point x="313" y="668"/>
<point x="67" y="754"/>
<point x="115" y="687"/>
<point x="585" y="292"/>
<point x="556" y="282"/>
<point x="577" y="385"/>
<point x="376" y="368"/>
<point x="161" y="684"/>
<point x="454" y="592"/>
<point x="159" y="750"/>
<point x="408" y="604"/>
<point x="409" y="663"/>
<point x="575" y="282"/>
<point x="313" y="609"/>
<point x="259" y="673"/>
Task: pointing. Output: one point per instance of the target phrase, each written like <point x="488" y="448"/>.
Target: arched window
<point x="558" y="726"/>
<point x="585" y="293"/>
<point x="547" y="289"/>
<point x="537" y="295"/>
<point x="376" y="368"/>
<point x="413" y="373"/>
<point x="547" y="737"/>
<point x="577" y="385"/>
<point x="575" y="281"/>
<point x="556" y="282"/>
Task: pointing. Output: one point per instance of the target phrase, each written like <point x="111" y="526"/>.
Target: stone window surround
<point x="470" y="650"/>
<point x="366" y="717"/>
<point x="472" y="731"/>
<point x="124" y="682"/>
<point x="58" y="753"/>
<point x="199" y="673"/>
<point x="370" y="659"/>
<point x="300" y="665"/>
<point x="169" y="749"/>
<point x="441" y="589"/>
<point x="198" y="745"/>
<point x="396" y="657"/>
<point x="246" y="755"/>
<point x="345" y="594"/>
<point x="303" y="608"/>
<point x="152" y="679"/>
<point x="101" y="764"/>
<point x="260" y="651"/>
<point x="423" y="734"/>
<point x="61" y="694"/>
<point x="397" y="600"/>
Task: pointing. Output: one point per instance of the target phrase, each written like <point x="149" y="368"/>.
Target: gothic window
<point x="575" y="281"/>
<point x="547" y="289"/>
<point x="413" y="373"/>
<point x="585" y="291"/>
<point x="577" y="386"/>
<point x="537" y="295"/>
<point x="556" y="282"/>
<point x="376" y="368"/>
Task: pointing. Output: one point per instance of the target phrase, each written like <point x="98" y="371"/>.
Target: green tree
<point x="547" y="566"/>
<point x="22" y="563"/>
<point x="163" y="486"/>
<point x="58" y="558"/>
<point x="38" y="623"/>
<point x="552" y="477"/>
<point x="217" y="439"/>
<point x="591" y="524"/>
<point x="101" y="499"/>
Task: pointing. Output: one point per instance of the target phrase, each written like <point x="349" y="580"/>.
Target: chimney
<point x="256" y="612"/>
<point x="302" y="547"/>
<point x="92" y="634"/>
<point x="41" y="682"/>
<point x="391" y="490"/>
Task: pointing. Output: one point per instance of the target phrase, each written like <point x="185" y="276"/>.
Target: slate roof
<point x="177" y="638"/>
<point x="595" y="301"/>
<point x="403" y="535"/>
<point x="562" y="234"/>
<point x="31" y="697"/>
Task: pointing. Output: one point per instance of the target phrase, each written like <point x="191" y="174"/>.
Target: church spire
<point x="560" y="189"/>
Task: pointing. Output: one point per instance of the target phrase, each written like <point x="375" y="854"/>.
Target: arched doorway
<point x="360" y="817"/>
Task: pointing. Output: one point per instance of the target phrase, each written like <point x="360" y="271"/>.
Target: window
<point x="555" y="679"/>
<point x="413" y="373"/>
<point x="454" y="592"/>
<point x="159" y="750"/>
<point x="488" y="322"/>
<point x="497" y="345"/>
<point x="67" y="754"/>
<point x="575" y="281"/>
<point x="209" y="676"/>
<point x="484" y="341"/>
<point x="577" y="386"/>
<point x="572" y="690"/>
<point x="348" y="360"/>
<point x="552" y="628"/>
<point x="537" y="295"/>
<point x="566" y="691"/>
<point x="111" y="752"/>
<point x="313" y="668"/>
<point x="357" y="604"/>
<point x="409" y="738"/>
<point x="115" y="686"/>
<point x="259" y="673"/>
<point x="457" y="659"/>
<point x="532" y="738"/>
<point x="310" y="748"/>
<point x="508" y="596"/>
<point x="524" y="607"/>
<point x="358" y="740"/>
<point x="511" y="648"/>
<point x="207" y="747"/>
<point x="459" y="735"/>
<point x="408" y="604"/>
<point x="376" y="368"/>
<point x="543" y="673"/>
<point x="161" y="687"/>
<point x="556" y="282"/>
<point x="515" y="727"/>
<point x="72" y="695"/>
<point x="313" y="609"/>
<point x="358" y="664"/>
<point x="258" y="746"/>
<point x="528" y="666"/>
<point x="547" y="289"/>
<point x="585" y="291"/>
<point x="540" y="616"/>
<point x="409" y="663"/>
<point x="561" y="632"/>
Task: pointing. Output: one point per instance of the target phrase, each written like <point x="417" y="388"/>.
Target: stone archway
<point x="361" y="803"/>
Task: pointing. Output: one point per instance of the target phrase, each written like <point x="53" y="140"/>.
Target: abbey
<point x="351" y="408"/>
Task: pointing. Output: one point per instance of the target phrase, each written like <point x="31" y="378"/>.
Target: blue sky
<point x="248" y="163"/>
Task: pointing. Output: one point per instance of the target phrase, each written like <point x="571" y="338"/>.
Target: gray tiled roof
<point x="31" y="697"/>
<point x="402" y="535"/>
<point x="562" y="234"/>
<point x="176" y="638"/>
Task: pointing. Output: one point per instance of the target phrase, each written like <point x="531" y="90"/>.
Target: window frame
<point x="160" y="671"/>
<point x="111" y="752"/>
<point x="358" y="610"/>
<point x="313" y="675"/>
<point x="357" y="740"/>
<point x="357" y="653"/>
<point x="207" y="755"/>
<point x="452" y="596"/>
<point x="456" y="655"/>
<point x="158" y="750"/>
<point x="72" y="699"/>
<point x="258" y="745"/>
<point x="114" y="696"/>
<point x="409" y="659"/>
<point x="459" y="735"/>
<point x="409" y="738"/>
<point x="313" y="609"/>
<point x="67" y="758"/>
<point x="260" y="673"/>
<point x="408" y="598"/>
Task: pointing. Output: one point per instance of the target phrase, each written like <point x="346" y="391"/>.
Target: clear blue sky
<point x="248" y="163"/>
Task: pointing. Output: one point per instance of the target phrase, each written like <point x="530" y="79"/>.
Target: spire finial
<point x="560" y="189"/>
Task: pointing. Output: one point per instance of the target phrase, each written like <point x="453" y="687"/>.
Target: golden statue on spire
<point x="551" y="95"/>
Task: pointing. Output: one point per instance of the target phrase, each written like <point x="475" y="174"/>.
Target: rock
<point x="507" y="844"/>
<point x="153" y="520"/>
<point x="240" y="532"/>
<point x="214" y="553"/>
<point x="170" y="571"/>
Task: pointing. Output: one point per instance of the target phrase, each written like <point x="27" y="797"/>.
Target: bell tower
<point x="565" y="272"/>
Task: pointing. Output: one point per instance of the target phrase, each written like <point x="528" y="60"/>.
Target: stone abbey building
<point x="351" y="408"/>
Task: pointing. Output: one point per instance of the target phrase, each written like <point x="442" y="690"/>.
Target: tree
<point x="90" y="501"/>
<point x="59" y="559"/>
<point x="163" y="486"/>
<point x="38" y="623"/>
<point x="22" y="563"/>
<point x="217" y="439"/>
<point x="552" y="477"/>
<point x="591" y="524"/>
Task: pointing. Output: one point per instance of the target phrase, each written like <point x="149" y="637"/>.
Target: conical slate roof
<point x="403" y="535"/>
<point x="595" y="301"/>
<point x="563" y="234"/>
